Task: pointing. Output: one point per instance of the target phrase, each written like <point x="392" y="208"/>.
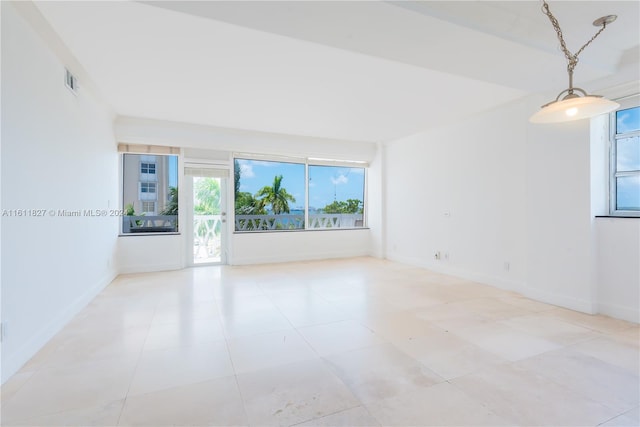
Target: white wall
<point x="618" y="255"/>
<point x="460" y="191"/>
<point x="158" y="132"/>
<point x="257" y="248"/>
<point x="206" y="143"/>
<point x="375" y="199"/>
<point x="139" y="253"/>
<point x="58" y="152"/>
<point x="495" y="189"/>
<point x="559" y="238"/>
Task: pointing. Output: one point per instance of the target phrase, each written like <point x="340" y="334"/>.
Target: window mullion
<point x="306" y="195"/>
<point x="627" y="173"/>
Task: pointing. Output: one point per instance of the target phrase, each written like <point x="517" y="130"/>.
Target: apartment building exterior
<point x="146" y="182"/>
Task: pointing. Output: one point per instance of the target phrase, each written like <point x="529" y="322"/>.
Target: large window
<point x="336" y="197"/>
<point x="625" y="161"/>
<point x="269" y="195"/>
<point x="149" y="193"/>
<point x="294" y="195"/>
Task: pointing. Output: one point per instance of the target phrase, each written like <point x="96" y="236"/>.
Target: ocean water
<point x="312" y="211"/>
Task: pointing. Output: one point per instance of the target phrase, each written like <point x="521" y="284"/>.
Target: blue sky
<point x="173" y="171"/>
<point x="324" y="181"/>
<point x="628" y="159"/>
<point x="628" y="120"/>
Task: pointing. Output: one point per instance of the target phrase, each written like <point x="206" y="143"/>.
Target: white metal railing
<point x="149" y="223"/>
<point x="206" y="236"/>
<point x="293" y="222"/>
<point x="206" y="228"/>
<point x="335" y="221"/>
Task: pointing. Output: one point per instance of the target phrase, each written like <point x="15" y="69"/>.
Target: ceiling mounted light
<point x="573" y="103"/>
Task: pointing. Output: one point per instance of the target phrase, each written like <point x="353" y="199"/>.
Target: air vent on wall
<point x="70" y="81"/>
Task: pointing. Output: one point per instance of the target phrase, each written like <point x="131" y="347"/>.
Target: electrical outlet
<point x="507" y="266"/>
<point x="437" y="255"/>
<point x="446" y="256"/>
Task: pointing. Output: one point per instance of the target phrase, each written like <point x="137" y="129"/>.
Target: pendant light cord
<point x="572" y="58"/>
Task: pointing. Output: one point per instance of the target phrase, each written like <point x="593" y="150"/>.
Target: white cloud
<point x="246" y="171"/>
<point x="341" y="179"/>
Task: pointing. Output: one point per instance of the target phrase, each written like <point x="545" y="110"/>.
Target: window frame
<point x="626" y="103"/>
<point x="144" y="224"/>
<point x="306" y="162"/>
<point x="152" y="203"/>
<point x="148" y="166"/>
<point x="148" y="185"/>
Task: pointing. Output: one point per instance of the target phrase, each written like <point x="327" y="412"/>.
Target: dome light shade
<point x="573" y="108"/>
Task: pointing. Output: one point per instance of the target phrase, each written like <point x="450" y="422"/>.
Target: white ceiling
<point x="356" y="70"/>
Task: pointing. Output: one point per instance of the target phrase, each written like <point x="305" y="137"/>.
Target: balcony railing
<point x="149" y="224"/>
<point x="296" y="221"/>
<point x="207" y="227"/>
<point x="206" y="238"/>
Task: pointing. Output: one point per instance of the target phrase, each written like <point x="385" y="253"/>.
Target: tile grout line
<point x="235" y="372"/>
<point x="135" y="370"/>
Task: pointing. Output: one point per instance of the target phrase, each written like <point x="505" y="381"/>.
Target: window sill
<point x="617" y="216"/>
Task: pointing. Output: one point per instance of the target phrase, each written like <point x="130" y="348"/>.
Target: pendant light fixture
<point x="573" y="103"/>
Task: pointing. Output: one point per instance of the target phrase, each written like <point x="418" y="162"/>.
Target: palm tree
<point x="276" y="196"/>
<point x="207" y="196"/>
<point x="237" y="174"/>
<point x="172" y="206"/>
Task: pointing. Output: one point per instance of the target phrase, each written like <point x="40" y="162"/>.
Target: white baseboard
<point x="446" y="268"/>
<point x="280" y="258"/>
<point x="521" y="288"/>
<point x="149" y="268"/>
<point x="11" y="363"/>
<point x="560" y="300"/>
<point x="629" y="314"/>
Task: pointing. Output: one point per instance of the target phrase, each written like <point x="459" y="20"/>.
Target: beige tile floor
<point x="357" y="342"/>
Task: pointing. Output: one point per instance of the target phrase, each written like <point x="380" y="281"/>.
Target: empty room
<point x="320" y="213"/>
